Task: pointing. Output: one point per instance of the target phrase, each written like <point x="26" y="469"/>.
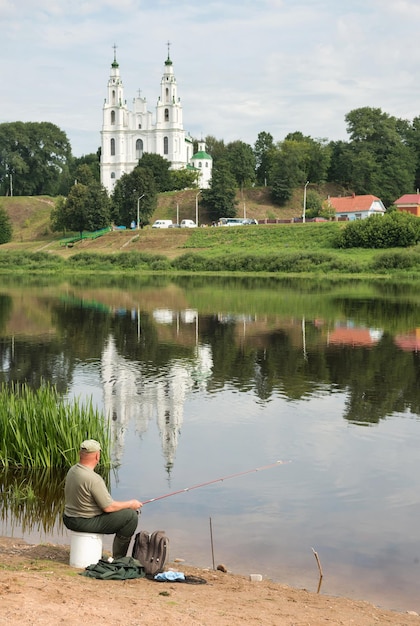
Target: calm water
<point x="204" y="379"/>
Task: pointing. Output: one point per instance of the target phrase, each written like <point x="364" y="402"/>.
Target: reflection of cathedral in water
<point x="132" y="398"/>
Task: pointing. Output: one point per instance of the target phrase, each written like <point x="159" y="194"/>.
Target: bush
<point x="396" y="261"/>
<point x="394" y="230"/>
<point x="5" y="226"/>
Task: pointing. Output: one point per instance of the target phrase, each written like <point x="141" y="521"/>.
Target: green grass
<point x="281" y="249"/>
<point x="42" y="430"/>
<point x="266" y="238"/>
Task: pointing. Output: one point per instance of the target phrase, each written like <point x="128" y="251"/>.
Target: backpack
<point x="151" y="550"/>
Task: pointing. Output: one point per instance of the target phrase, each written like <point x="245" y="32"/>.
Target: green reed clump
<point x="41" y="429"/>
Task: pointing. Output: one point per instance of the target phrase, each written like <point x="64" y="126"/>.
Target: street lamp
<point x="304" y="201"/>
<point x="138" y="210"/>
<point x="196" y="208"/>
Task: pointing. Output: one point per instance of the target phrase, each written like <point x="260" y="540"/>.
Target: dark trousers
<point x="123" y="523"/>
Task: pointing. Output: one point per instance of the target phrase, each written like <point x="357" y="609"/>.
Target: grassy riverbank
<point x="277" y="248"/>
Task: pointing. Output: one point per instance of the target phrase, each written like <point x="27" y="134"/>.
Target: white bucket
<point x="85" y="549"/>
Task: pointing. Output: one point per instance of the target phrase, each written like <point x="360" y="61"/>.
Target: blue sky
<point x="242" y="67"/>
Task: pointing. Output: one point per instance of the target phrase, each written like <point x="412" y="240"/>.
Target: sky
<point x="242" y="66"/>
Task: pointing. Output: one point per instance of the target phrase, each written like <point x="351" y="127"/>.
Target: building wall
<point x="129" y="133"/>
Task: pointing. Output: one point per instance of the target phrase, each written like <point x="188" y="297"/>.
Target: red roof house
<point x="357" y="207"/>
<point x="409" y="203"/>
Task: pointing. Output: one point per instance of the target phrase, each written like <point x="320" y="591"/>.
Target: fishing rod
<point x="216" y="480"/>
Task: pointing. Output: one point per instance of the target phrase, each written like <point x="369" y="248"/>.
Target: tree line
<point x="381" y="157"/>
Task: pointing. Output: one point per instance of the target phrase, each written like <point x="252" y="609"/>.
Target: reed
<point x="43" y="430"/>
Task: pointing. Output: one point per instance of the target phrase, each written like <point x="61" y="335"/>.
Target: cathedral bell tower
<point x="114" y="120"/>
<point x="169" y="125"/>
<point x="129" y="134"/>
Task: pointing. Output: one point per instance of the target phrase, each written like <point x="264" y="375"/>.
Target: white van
<point x="162" y="224"/>
<point x="188" y="224"/>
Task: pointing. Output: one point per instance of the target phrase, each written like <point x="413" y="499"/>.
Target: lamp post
<point x="196" y="208"/>
<point x="138" y="210"/>
<point x="304" y="201"/>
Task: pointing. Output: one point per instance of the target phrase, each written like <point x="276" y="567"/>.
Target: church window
<point x="165" y="145"/>
<point x="112" y="147"/>
<point x="112" y="117"/>
<point x="207" y="164"/>
<point x="113" y="96"/>
<point x="166" y="115"/>
<point x="139" y="148"/>
<point x="112" y="174"/>
<point x="199" y="164"/>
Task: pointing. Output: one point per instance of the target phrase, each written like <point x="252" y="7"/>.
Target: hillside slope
<point x="30" y="216"/>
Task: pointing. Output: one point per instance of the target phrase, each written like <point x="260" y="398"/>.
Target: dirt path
<point x="37" y="586"/>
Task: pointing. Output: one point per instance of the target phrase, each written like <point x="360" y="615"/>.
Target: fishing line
<point x="216" y="480"/>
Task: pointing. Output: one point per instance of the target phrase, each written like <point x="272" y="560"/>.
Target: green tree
<point x="313" y="204"/>
<point x="128" y="189"/>
<point x="379" y="159"/>
<point x="159" y="168"/>
<point x="91" y="161"/>
<point x="57" y="215"/>
<point x="6" y="229"/>
<point x="282" y="187"/>
<point x="264" y="149"/>
<point x="241" y="160"/>
<point x="87" y="208"/>
<point x="289" y="170"/>
<point x="183" y="179"/>
<point x="33" y="156"/>
<point x="215" y="147"/>
<point x="413" y="140"/>
<point x="220" y="198"/>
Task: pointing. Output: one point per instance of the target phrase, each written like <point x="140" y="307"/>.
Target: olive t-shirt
<point x="85" y="492"/>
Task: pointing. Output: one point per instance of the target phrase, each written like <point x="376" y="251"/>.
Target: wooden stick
<point x="319" y="568"/>
<point x="211" y="540"/>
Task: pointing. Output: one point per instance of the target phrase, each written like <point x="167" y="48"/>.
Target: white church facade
<point x="128" y="134"/>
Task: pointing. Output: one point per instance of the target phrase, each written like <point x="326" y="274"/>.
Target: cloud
<point x="241" y="67"/>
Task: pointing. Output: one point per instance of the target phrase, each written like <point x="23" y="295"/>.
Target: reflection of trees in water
<point x="33" y="362"/>
<point x="378" y="380"/>
<point x="394" y="315"/>
<point x="268" y="361"/>
<point x="34" y="500"/>
<point x="6" y="308"/>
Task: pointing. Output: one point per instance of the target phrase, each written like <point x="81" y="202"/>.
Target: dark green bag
<point x="120" y="569"/>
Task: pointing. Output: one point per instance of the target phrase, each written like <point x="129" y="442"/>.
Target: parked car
<point x="162" y="224"/>
<point x="174" y="226"/>
<point x="249" y="221"/>
<point x="188" y="224"/>
<point x="231" y="221"/>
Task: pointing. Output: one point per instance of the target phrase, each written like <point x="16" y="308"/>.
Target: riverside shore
<point x="37" y="586"/>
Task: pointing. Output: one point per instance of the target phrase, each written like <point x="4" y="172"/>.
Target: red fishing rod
<point x="216" y="480"/>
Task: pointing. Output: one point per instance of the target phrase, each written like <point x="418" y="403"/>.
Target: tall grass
<point x="40" y="429"/>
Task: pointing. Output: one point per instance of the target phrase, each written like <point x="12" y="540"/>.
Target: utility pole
<point x="304" y="202"/>
<point x="138" y="210"/>
<point x="196" y="208"/>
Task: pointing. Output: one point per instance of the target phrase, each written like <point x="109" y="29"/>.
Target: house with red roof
<point x="356" y="207"/>
<point x="409" y="203"/>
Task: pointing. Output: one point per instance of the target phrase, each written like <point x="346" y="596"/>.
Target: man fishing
<point x="90" y="508"/>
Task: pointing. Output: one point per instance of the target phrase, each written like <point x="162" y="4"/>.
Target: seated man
<point x="89" y="507"/>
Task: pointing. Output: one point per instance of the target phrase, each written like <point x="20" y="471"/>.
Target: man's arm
<point x="120" y="505"/>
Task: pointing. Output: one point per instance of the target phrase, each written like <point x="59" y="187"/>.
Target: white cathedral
<point x="126" y="135"/>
